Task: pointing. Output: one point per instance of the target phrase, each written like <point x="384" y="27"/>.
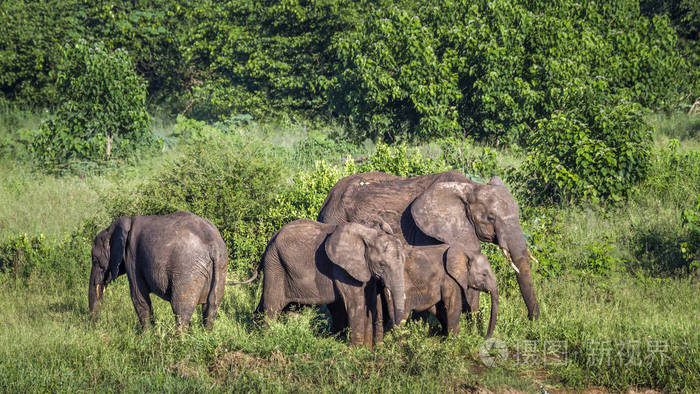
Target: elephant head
<point x="453" y="211"/>
<point x="108" y="253"/>
<point x="474" y="272"/>
<point x="364" y="252"/>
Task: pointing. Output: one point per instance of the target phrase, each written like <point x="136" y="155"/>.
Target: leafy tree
<point x="31" y="35"/>
<point x="102" y="115"/>
<point x="394" y="80"/>
<point x="262" y="57"/>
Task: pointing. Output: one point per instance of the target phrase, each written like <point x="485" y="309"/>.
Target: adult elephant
<point x="180" y="257"/>
<point x="438" y="208"/>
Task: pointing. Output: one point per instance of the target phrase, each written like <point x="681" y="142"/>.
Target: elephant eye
<point x="490" y="218"/>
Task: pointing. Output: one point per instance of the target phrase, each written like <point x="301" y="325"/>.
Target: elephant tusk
<point x="534" y="260"/>
<point x="510" y="260"/>
<point x="97" y="289"/>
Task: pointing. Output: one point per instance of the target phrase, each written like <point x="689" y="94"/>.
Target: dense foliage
<point x="102" y="114"/>
<point x="602" y="157"/>
<point x="415" y="68"/>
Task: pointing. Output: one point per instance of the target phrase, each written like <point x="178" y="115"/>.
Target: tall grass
<point x="48" y="343"/>
<point x="39" y="204"/>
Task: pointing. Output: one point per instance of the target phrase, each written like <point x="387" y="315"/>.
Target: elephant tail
<point x="252" y="278"/>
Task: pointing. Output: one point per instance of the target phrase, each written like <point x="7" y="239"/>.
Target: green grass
<point x="48" y="343"/>
<point x="621" y="279"/>
<point x="34" y="203"/>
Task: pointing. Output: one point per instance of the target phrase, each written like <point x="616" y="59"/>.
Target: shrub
<point x="259" y="59"/>
<point x="219" y="177"/>
<point x="102" y="115"/>
<point x="478" y="164"/>
<point x="30" y="37"/>
<point x="599" y="156"/>
<point x="67" y="258"/>
<point x="399" y="160"/>
<point x="318" y="146"/>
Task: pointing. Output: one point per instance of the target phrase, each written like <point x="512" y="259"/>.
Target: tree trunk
<point x="109" y="146"/>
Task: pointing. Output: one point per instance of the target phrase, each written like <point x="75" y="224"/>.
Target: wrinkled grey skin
<point x="437" y="208"/>
<point x="312" y="263"/>
<point x="437" y="276"/>
<point x="179" y="257"/>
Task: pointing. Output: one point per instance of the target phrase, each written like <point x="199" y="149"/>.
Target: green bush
<point x="31" y="34"/>
<point x="220" y="178"/>
<point x="102" y="115"/>
<point x="319" y="146"/>
<point x="413" y="69"/>
<point x="478" y="164"/>
<point x="25" y="256"/>
<point x="15" y="133"/>
<point x="575" y="158"/>
<point x="398" y="160"/>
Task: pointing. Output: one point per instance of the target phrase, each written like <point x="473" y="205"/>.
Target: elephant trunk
<point x="494" y="311"/>
<point x="398" y="300"/>
<point x="394" y="286"/>
<point x="515" y="249"/>
<point x="95" y="291"/>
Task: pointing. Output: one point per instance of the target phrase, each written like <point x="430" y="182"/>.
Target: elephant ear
<point x="346" y="248"/>
<point x="440" y="211"/>
<point x="456" y="267"/>
<point x="117" y="244"/>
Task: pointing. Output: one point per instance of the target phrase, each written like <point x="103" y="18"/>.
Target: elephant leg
<point x="185" y="298"/>
<point x="339" y="318"/>
<point x="472" y="301"/>
<point x="357" y="320"/>
<point x="216" y="293"/>
<point x="453" y="309"/>
<point x="371" y="295"/>
<point x="357" y="315"/>
<point x="441" y="314"/>
<point x="209" y="315"/>
<point x="378" y="333"/>
<point x="142" y="301"/>
<point x="211" y="306"/>
<point x="272" y="305"/>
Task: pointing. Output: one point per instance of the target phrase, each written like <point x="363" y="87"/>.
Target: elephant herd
<point x="383" y="246"/>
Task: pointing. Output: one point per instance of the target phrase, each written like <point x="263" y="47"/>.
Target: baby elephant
<point x="308" y="262"/>
<point x="180" y="257"/>
<point x="436" y="277"/>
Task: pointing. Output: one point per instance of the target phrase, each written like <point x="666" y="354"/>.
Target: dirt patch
<point x="230" y="364"/>
<point x="602" y="390"/>
<point x="186" y="369"/>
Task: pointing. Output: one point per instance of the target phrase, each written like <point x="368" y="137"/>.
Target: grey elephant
<point x="438" y="208"/>
<point x="180" y="257"/>
<point x="312" y="263"/>
<point x="436" y="277"/>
